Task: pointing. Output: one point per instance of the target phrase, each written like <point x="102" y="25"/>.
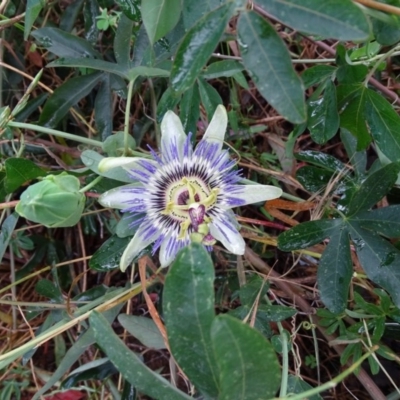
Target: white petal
<point x="108" y="163"/>
<point x="172" y="137"/>
<point x="215" y="132"/>
<point x="127" y="163"/>
<point x="256" y="193"/>
<point x="169" y="248"/>
<point x="228" y="235"/>
<point x="121" y="197"/>
<point x="144" y="236"/>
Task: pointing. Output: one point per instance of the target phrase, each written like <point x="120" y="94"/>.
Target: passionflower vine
<point x="183" y="195"/>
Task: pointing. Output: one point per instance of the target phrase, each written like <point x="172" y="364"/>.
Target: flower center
<point x="188" y="201"/>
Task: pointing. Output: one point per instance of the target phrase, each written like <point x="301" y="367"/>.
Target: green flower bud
<point x="203" y="229"/>
<point x="54" y="202"/>
<point x="196" y="237"/>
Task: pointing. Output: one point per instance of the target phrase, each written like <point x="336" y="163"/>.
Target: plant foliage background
<point x="312" y="308"/>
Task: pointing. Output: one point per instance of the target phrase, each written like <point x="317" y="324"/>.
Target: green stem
<point x="285" y="356"/>
<point x="127" y="115"/>
<point x="316" y="350"/>
<point x="154" y="109"/>
<point x="379" y="59"/>
<point x="91" y="184"/>
<point x="49" y="131"/>
<point x="288" y="196"/>
<point x="332" y="383"/>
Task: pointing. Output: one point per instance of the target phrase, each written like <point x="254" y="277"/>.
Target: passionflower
<point x="183" y="195"/>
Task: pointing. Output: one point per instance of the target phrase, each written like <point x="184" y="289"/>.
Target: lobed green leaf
<point x="268" y="62"/>
<point x="188" y="304"/>
<point x="129" y="364"/>
<point x="247" y="363"/>
<point x="339" y="19"/>
<point x="197" y="46"/>
<point x="307" y="234"/>
<point x="335" y="270"/>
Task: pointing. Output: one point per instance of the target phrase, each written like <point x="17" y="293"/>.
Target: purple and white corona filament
<point x="184" y="195"/>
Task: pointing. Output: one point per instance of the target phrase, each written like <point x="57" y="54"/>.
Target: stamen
<point x="211" y="199"/>
<point x="184" y="228"/>
<point x="170" y="207"/>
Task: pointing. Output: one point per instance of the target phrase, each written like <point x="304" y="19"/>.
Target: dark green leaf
<point x="307" y="234"/>
<point x="197" y="47"/>
<point x="159" y="17"/>
<point x="122" y="42"/>
<point x="241" y="80"/>
<point x="146" y="71"/>
<point x="108" y="256"/>
<point x="385" y="220"/>
<point x="33" y="8"/>
<point x="3" y="192"/>
<point x="317" y="74"/>
<point x="75" y="351"/>
<point x="129" y="365"/>
<point x="100" y="65"/>
<point x="7" y="229"/>
<point x="261" y="321"/>
<point x="256" y="286"/>
<point x="64" y="44"/>
<point x="275" y="313"/>
<point x="48" y="289"/>
<point x="313" y="179"/>
<point x="248" y="366"/>
<point x="190" y="109"/>
<point x="352" y="118"/>
<point x="339" y="19"/>
<point x="144" y="329"/>
<point x="114" y="144"/>
<point x="268" y="62"/>
<point x="168" y="101"/>
<point x="101" y="370"/>
<point x="369" y="308"/>
<point x="220" y="69"/>
<point x="128" y="392"/>
<point x="90" y="11"/>
<point x="379" y="259"/>
<point x="384" y="124"/>
<point x="278" y="343"/>
<point x="209" y="97"/>
<point x="346" y="93"/>
<point x="72" y="355"/>
<point x="130" y="8"/>
<point x="374" y="188"/>
<point x="296" y="386"/>
<point x="142" y="48"/>
<point x="320" y="159"/>
<point x="189" y="296"/>
<point x="335" y="271"/>
<point x="350" y="74"/>
<point x="387" y="32"/>
<point x="357" y="158"/>
<point x="92" y="294"/>
<point x="194" y="10"/>
<point x="70" y="15"/>
<point x="103" y="108"/>
<point x="20" y="171"/>
<point x="66" y="96"/>
<point x="323" y="117"/>
<point x="31" y="106"/>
